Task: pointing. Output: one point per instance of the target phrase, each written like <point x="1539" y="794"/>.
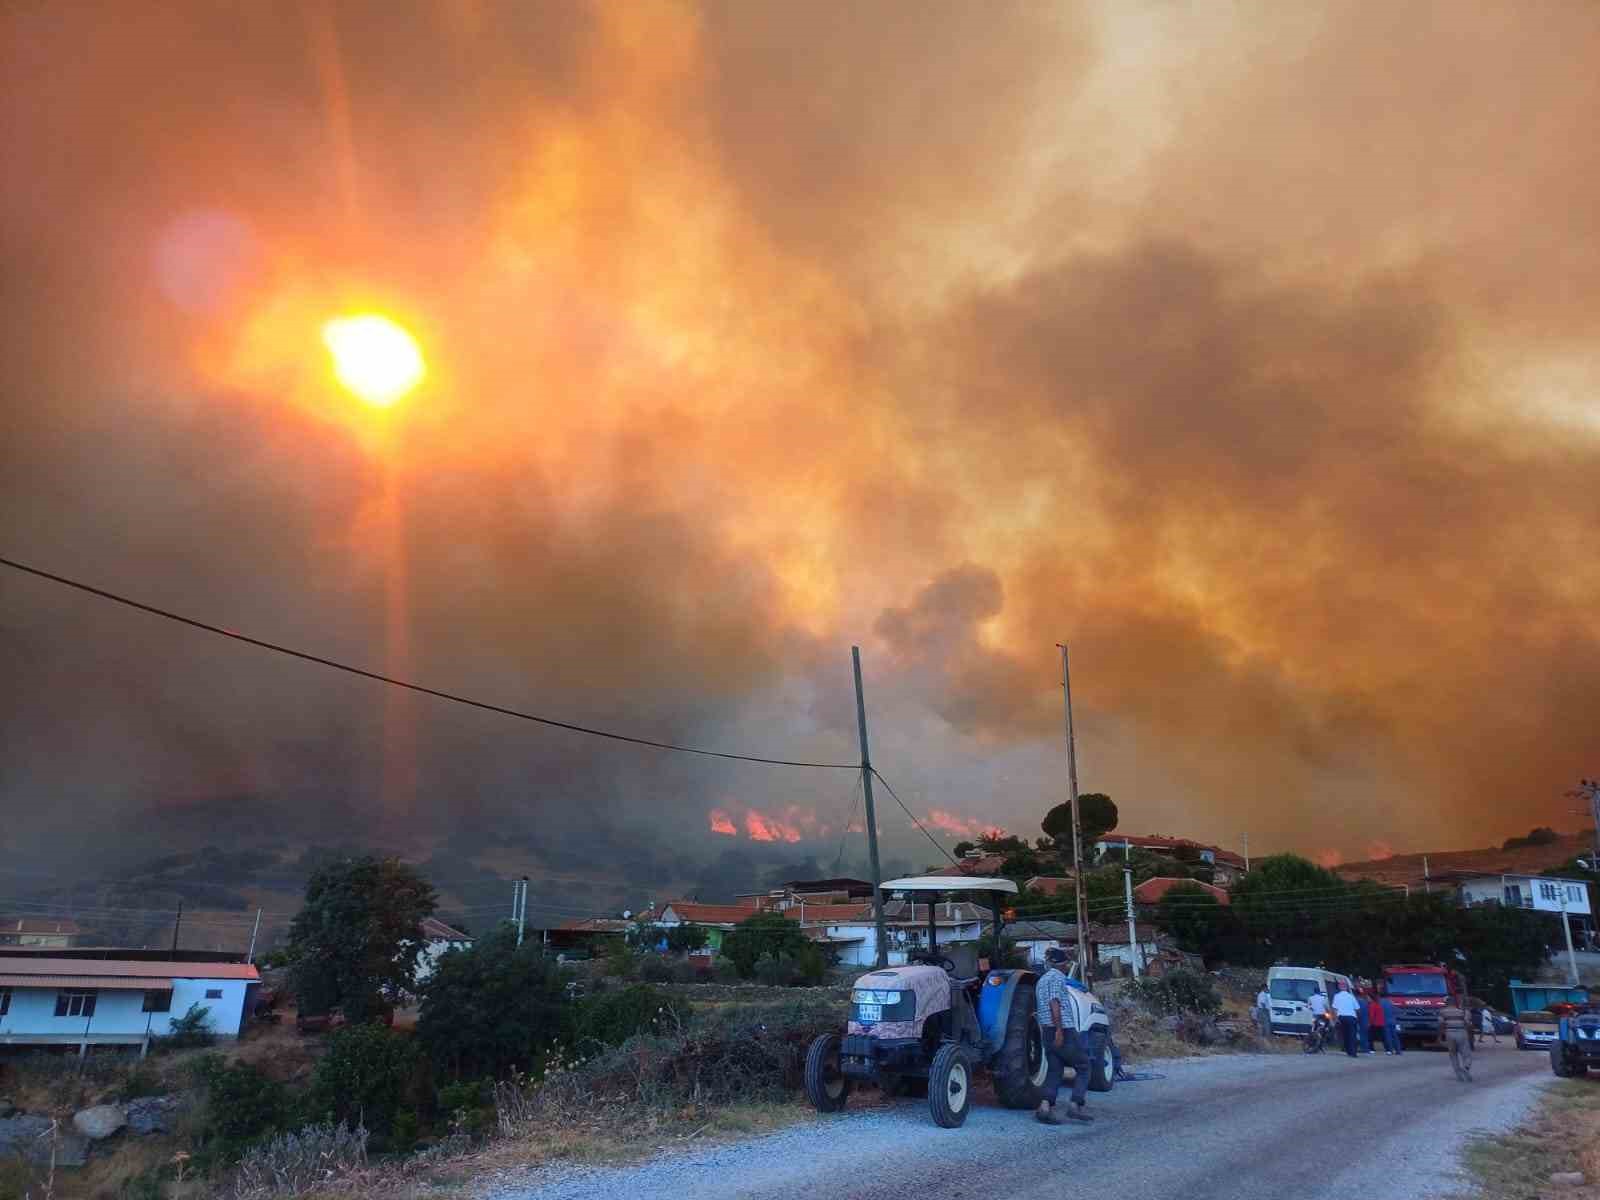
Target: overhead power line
<point x="415" y="687"/>
<point x="937" y="844"/>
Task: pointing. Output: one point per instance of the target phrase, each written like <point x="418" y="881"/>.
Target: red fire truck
<point x="1418" y="991"/>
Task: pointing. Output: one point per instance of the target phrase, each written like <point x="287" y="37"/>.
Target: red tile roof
<point x="830" y="914"/>
<point x="435" y="930"/>
<point x="696" y="913"/>
<point x="128" y="969"/>
<point x="1049" y="884"/>
<point x="1151" y="890"/>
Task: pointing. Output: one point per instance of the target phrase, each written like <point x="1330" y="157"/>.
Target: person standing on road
<point x="1377" y="1025"/>
<point x="1063" y="1042"/>
<point x="1391" y="1025"/>
<point x="1347" y="1008"/>
<point x="1457" y="1038"/>
<point x="1363" y="1022"/>
<point x="1264" y="1011"/>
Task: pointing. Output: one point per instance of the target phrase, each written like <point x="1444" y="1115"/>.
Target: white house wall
<point x="119" y="1015"/>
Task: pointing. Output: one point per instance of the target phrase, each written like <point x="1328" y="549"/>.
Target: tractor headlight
<point x="872" y="996"/>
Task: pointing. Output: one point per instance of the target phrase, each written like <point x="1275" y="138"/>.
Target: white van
<point x="1291" y="989"/>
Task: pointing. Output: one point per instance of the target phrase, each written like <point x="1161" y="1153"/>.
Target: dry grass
<point x="1564" y="1135"/>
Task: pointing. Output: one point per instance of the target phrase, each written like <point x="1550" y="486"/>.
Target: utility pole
<point x="250" y="956"/>
<point x="1077" y="826"/>
<point x="1566" y="928"/>
<point x="1133" y="937"/>
<point x="177" y="922"/>
<point x="519" y="905"/>
<point x="1427" y="884"/>
<point x="872" y="819"/>
<point x="1247" y="852"/>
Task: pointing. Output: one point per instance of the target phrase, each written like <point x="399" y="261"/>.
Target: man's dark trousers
<point x="1073" y="1052"/>
<point x="1347" y="1030"/>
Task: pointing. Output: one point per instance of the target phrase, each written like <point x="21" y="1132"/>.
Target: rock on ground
<point x="151" y="1114"/>
<point x="30" y="1137"/>
<point x="99" y="1122"/>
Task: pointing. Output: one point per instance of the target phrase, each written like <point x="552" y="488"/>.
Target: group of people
<point x="1366" y="1016"/>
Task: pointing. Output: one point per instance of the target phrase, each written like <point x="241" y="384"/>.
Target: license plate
<point x="867" y="1013"/>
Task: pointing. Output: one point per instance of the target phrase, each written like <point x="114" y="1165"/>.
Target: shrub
<point x="761" y="936"/>
<point x="292" y="1164"/>
<point x="140" y="1081"/>
<point x="1178" y="992"/>
<point x="775" y="972"/>
<point x="810" y="965"/>
<point x="241" y="1105"/>
<point x="492" y="1007"/>
<point x="188" y="1031"/>
<point x="365" y="1076"/>
<point x="611" y="1018"/>
<point x="656" y="969"/>
<point x="469" y="1106"/>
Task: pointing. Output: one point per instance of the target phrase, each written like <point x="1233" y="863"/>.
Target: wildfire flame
<point x="722" y="823"/>
<point x="793" y="824"/>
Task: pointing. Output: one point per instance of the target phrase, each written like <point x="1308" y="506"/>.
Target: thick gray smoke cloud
<point x="1251" y="352"/>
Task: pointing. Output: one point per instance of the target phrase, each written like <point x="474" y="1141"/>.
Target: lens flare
<point x="374" y="357"/>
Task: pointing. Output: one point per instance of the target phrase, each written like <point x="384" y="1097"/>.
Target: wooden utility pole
<point x="1077" y="825"/>
<point x="872" y="819"/>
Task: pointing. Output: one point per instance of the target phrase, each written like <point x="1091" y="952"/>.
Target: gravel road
<point x="1246" y="1128"/>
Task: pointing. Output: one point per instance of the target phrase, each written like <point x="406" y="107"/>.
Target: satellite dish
<point x="627" y="914"/>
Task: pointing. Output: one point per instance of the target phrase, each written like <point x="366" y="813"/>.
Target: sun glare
<point x="373" y="357"/>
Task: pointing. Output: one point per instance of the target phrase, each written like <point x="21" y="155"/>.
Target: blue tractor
<point x="926" y="1023"/>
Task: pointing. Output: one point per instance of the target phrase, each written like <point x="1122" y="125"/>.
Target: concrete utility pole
<point x="250" y="957"/>
<point x="1077" y="826"/>
<point x="519" y="905"/>
<point x="1427" y="884"/>
<point x="177" y="923"/>
<point x="1247" y="853"/>
<point x="872" y="818"/>
<point x="1566" y="928"/>
<point x="1134" y="952"/>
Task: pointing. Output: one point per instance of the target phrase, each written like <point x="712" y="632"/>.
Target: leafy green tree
<point x="1196" y="918"/>
<point x="1097" y="816"/>
<point x="366" y="1076"/>
<point x="357" y="938"/>
<point x="241" y="1105"/>
<point x="491" y="1006"/>
<point x="764" y="935"/>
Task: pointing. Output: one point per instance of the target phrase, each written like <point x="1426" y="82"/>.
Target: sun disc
<point x="374" y="357"/>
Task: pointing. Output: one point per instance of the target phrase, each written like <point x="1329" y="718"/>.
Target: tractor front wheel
<point x="950" y="1086"/>
<point x="827" y="1086"/>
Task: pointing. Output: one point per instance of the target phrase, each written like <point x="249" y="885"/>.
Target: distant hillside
<point x="1519" y="860"/>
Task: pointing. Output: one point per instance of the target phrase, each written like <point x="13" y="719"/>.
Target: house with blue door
<point x="83" y="1002"/>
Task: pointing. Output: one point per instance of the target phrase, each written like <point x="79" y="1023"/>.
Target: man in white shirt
<point x="1264" y="1012"/>
<point x="1347" y="1008"/>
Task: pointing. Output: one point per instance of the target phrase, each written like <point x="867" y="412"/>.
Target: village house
<point x="1152" y="890"/>
<point x="438" y="939"/>
<point x="51" y="1001"/>
<point x="1568" y="897"/>
<point x="1107" y="943"/>
<point x="1227" y="867"/>
<point x="56" y="933"/>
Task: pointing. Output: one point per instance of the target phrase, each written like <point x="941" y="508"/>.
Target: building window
<point x="158" y="1001"/>
<point x="75" y="1004"/>
<point x="1574" y="891"/>
<point x="213" y="993"/>
<point x="1549" y="891"/>
<point x="5" y="1001"/>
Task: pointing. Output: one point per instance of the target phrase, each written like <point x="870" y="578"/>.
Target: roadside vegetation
<point x="1554" y="1153"/>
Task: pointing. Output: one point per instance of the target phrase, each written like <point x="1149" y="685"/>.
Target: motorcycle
<point x="1321" y="1034"/>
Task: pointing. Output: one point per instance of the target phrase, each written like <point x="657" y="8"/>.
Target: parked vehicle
<point x="1419" y="991"/>
<point x="1576" y="1050"/>
<point x="1537" y="1030"/>
<point x="923" y="1022"/>
<point x="1291" y="989"/>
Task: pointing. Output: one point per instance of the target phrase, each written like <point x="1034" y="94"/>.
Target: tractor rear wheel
<point x="827" y="1086"/>
<point x="1103" y="1069"/>
<point x="950" y="1086"/>
<point x="1021" y="1067"/>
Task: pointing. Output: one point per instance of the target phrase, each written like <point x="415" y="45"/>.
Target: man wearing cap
<point x="1063" y="1043"/>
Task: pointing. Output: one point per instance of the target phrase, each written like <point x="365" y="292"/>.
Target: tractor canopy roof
<point x="950" y="883"/>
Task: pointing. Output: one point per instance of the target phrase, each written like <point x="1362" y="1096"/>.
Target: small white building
<point x="438" y="940"/>
<point x="1570" y="896"/>
<point x="87" y="1002"/>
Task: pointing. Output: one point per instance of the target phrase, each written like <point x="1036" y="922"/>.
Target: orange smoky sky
<point x="1248" y="349"/>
